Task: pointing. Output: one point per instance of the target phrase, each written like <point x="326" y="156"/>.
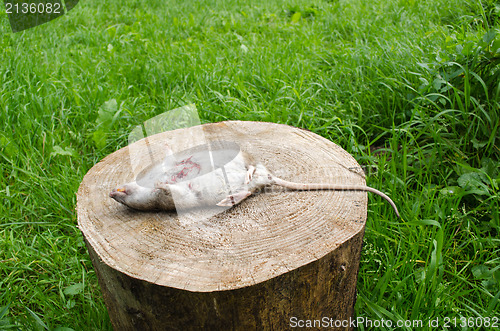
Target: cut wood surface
<point x="267" y="235"/>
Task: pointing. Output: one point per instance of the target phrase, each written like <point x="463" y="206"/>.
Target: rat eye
<point x="122" y="189"/>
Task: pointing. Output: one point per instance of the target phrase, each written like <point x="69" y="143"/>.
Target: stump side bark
<point x="322" y="289"/>
<point x="277" y="255"/>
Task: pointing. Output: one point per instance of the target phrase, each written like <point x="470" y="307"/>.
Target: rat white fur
<point x="224" y="186"/>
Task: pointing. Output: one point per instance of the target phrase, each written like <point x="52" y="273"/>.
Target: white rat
<point x="209" y="179"/>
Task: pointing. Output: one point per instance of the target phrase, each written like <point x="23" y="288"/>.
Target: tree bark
<point x="277" y="260"/>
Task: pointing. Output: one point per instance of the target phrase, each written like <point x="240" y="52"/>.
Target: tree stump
<point x="279" y="259"/>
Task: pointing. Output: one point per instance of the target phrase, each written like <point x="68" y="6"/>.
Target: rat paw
<point x="234" y="199"/>
<point x="161" y="185"/>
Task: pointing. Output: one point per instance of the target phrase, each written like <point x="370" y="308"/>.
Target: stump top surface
<point x="268" y="234"/>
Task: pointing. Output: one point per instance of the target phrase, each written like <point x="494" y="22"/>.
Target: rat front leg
<point x="169" y="160"/>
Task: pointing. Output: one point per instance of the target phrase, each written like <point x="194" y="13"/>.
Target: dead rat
<point x="222" y="177"/>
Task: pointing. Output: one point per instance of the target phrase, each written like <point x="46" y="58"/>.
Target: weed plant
<point x="410" y="88"/>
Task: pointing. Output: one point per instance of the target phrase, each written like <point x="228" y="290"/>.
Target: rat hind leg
<point x="249" y="174"/>
<point x="234" y="199"/>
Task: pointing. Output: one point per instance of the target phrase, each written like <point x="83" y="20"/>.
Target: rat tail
<point x="336" y="187"/>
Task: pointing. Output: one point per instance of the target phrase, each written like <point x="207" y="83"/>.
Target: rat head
<point x="142" y="198"/>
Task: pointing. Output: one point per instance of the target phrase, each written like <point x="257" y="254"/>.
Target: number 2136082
<point x="33" y="8"/>
<point x="472" y="322"/>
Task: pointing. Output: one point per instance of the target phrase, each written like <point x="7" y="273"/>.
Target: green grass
<point x="410" y="88"/>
